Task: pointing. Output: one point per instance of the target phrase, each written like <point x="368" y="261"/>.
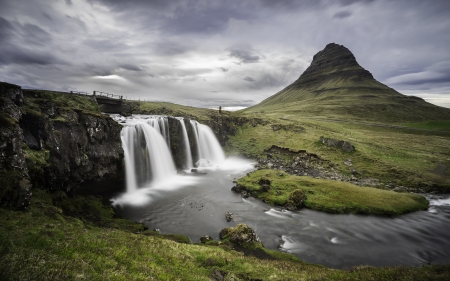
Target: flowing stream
<point x="194" y="204"/>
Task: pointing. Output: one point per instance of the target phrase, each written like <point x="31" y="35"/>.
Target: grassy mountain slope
<point x="336" y="86"/>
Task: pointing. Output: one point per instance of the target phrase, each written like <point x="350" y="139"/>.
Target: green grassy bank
<point x="45" y="243"/>
<point x="331" y="196"/>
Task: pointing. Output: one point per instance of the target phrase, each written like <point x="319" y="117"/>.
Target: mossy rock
<point x="240" y="235"/>
<point x="296" y="200"/>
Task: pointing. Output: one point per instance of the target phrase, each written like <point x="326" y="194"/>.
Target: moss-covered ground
<point x="35" y="98"/>
<point x="171" y="109"/>
<point x="332" y="196"/>
<point x="45" y="243"/>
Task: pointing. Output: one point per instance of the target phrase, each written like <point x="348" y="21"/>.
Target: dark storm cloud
<point x="350" y="2"/>
<point x="78" y="22"/>
<point x="120" y="5"/>
<point x="438" y="73"/>
<point x="27" y="33"/>
<point x="249" y="79"/>
<point x="244" y="54"/>
<point x="295" y="5"/>
<point x="183" y="17"/>
<point x="47" y="16"/>
<point x="224" y="69"/>
<point x="14" y="55"/>
<point x="33" y="34"/>
<point x="105" y="44"/>
<point x="6" y="29"/>
<point x="166" y="47"/>
<point x="190" y="19"/>
<point x="342" y="14"/>
<point x="21" y="44"/>
<point x="131" y="67"/>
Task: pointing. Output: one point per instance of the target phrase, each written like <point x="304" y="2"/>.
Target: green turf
<point x="332" y="196"/>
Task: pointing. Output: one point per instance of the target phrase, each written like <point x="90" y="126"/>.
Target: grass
<point x="171" y="109"/>
<point x="47" y="244"/>
<point x="332" y="196"/>
<point x="431" y="125"/>
<point x="35" y="99"/>
<point x="402" y="156"/>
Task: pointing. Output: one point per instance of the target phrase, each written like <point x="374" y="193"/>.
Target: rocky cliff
<point x="14" y="178"/>
<point x="58" y="141"/>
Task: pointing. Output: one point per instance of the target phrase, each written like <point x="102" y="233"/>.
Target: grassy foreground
<point x="332" y="196"/>
<point x="46" y="244"/>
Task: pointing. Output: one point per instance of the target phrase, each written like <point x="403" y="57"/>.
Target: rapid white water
<point x="187" y="148"/>
<point x="146" y="144"/>
<point x="147" y="156"/>
<point x="209" y="151"/>
<point x="161" y="124"/>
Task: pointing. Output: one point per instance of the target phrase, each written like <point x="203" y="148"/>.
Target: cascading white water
<point x="127" y="135"/>
<point x="147" y="156"/>
<point x="186" y="144"/>
<point x="146" y="142"/>
<point x="209" y="151"/>
<point x="161" y="124"/>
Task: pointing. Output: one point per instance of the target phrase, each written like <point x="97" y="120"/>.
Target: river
<point x="195" y="205"/>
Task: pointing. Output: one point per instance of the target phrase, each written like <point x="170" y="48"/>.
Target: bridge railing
<point x="80" y="93"/>
<point x="103" y="94"/>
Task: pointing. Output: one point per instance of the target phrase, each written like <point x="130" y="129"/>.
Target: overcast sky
<point x="219" y="52"/>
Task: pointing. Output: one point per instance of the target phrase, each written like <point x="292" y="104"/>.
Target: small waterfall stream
<point x="186" y="144"/>
<point x="210" y="152"/>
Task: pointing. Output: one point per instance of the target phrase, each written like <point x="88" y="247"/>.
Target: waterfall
<point x="161" y="124"/>
<point x="187" y="147"/>
<point x="147" y="156"/>
<point x="128" y="142"/>
<point x="209" y="151"/>
<point x="146" y="145"/>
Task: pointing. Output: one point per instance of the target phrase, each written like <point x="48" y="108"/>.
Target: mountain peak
<point x="336" y="86"/>
<point x="333" y="60"/>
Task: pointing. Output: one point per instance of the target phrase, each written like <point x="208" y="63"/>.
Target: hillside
<point x="336" y="86"/>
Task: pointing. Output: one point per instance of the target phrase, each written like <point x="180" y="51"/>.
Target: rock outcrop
<point x="344" y="145"/>
<point x="56" y="142"/>
<point x="84" y="148"/>
<point x="15" y="182"/>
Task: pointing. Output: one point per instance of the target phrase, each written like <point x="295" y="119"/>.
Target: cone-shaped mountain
<point x="335" y="85"/>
